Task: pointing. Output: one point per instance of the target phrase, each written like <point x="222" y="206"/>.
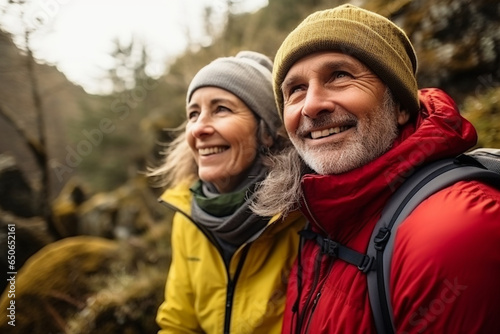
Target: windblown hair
<point x="280" y="192"/>
<point x="179" y="164"/>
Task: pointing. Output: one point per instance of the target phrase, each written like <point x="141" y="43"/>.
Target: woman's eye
<point x="193" y="115"/>
<point x="223" y="109"/>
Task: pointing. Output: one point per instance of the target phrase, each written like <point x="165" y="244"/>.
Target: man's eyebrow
<point x="333" y="65"/>
<point x="343" y="64"/>
<point x="290" y="81"/>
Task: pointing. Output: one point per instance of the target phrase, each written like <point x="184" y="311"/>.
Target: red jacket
<point x="445" y="275"/>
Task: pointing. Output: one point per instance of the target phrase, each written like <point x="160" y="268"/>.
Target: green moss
<point x="483" y="110"/>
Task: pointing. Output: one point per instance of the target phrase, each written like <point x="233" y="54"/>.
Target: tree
<point x="37" y="143"/>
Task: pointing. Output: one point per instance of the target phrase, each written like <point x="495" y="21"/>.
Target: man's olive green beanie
<point x="371" y="38"/>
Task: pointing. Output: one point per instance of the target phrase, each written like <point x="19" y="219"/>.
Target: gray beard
<point x="281" y="190"/>
<point x="374" y="136"/>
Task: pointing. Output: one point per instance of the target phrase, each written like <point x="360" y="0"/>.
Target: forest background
<point x="92" y="243"/>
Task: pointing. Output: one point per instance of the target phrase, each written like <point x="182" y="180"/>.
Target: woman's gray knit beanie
<point x="248" y="76"/>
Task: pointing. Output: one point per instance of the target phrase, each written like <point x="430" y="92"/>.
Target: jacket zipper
<point x="301" y="316"/>
<point x="316" y="281"/>
<point x="311" y="215"/>
<point x="231" y="285"/>
<point x="318" y="294"/>
<point x="315" y="302"/>
<point x="317" y="266"/>
<point x="203" y="230"/>
<point x="200" y="227"/>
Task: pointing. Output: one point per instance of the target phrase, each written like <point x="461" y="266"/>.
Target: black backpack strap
<point x="425" y="182"/>
<point x="339" y="251"/>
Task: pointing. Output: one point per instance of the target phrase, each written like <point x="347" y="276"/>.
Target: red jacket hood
<point x="439" y="131"/>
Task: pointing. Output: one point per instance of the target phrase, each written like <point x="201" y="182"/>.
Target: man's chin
<point x="319" y="164"/>
<point x="333" y="162"/>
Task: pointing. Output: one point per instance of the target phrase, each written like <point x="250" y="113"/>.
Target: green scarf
<point x="228" y="216"/>
<point x="222" y="204"/>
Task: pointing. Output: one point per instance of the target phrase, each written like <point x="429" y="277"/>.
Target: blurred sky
<point x="77" y="35"/>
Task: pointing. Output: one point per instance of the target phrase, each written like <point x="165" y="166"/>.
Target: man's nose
<point x="318" y="100"/>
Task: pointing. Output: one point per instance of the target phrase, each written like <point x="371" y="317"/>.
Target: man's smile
<point x="327" y="132"/>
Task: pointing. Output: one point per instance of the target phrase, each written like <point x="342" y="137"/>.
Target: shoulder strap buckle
<point x="381" y="238"/>
<point x="368" y="264"/>
<point x="329" y="247"/>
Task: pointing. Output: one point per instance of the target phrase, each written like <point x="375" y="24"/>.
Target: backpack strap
<point x="425" y="182"/>
<point x="339" y="251"/>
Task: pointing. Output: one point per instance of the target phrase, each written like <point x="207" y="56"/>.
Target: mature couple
<point x="343" y="86"/>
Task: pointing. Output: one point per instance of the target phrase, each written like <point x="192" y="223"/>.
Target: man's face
<point x="338" y="113"/>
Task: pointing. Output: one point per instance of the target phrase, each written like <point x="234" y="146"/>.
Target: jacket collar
<point x="179" y="199"/>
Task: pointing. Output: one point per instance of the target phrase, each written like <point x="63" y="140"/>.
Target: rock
<point x="65" y="208"/>
<point x="93" y="285"/>
<point x="54" y="284"/>
<point x="16" y="194"/>
<point x="31" y="234"/>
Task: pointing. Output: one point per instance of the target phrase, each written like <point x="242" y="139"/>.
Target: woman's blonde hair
<point x="179" y="164"/>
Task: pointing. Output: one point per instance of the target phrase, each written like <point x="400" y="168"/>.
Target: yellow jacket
<point x="199" y="283"/>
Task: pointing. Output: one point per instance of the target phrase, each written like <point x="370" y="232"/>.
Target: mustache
<point x="325" y="120"/>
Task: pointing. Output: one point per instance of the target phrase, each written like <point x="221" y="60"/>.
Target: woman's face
<point x="222" y="134"/>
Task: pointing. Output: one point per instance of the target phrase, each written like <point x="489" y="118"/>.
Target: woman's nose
<point x="203" y="126"/>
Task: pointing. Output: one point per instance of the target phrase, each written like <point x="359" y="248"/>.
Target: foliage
<point x="109" y="141"/>
<point x="483" y="110"/>
<point x="142" y="107"/>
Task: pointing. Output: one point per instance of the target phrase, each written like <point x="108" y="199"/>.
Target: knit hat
<point x="248" y="76"/>
<point x="371" y="38"/>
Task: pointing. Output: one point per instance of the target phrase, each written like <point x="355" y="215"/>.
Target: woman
<point x="229" y="267"/>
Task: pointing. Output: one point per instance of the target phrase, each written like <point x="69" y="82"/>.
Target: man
<point x="345" y="86"/>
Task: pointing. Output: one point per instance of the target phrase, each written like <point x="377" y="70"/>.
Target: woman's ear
<point x="265" y="138"/>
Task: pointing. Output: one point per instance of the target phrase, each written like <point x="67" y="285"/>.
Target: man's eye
<point x="295" y="89"/>
<point x="340" y="75"/>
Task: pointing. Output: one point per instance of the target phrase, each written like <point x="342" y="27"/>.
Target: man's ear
<point x="403" y="116"/>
